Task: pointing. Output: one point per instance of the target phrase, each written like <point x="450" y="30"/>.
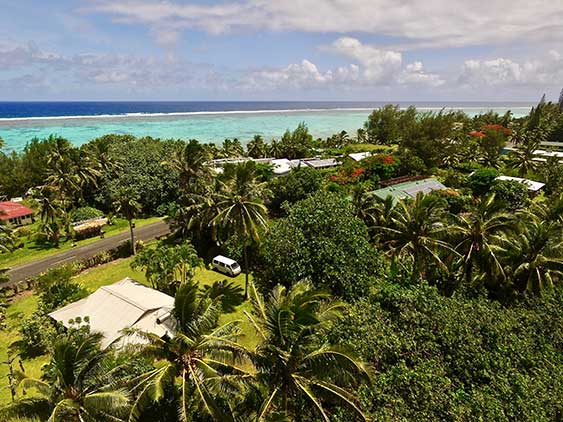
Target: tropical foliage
<point x="429" y="306"/>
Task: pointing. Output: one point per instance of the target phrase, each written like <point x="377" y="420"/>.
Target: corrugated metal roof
<point x="531" y="184"/>
<point x="125" y="304"/>
<point x="409" y="189"/>
<point x="359" y="156"/>
<point x="320" y="163"/>
<point x="10" y="209"/>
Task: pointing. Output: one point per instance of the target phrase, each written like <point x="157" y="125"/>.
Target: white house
<point x="125" y="304"/>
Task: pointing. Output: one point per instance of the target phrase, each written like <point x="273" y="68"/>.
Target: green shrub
<point x="85" y="213"/>
<point x="56" y="288"/>
<point x="482" y="179"/>
<point x="321" y="240"/>
<point x="37" y="333"/>
<point x="456" y="202"/>
<point x="295" y="186"/>
<point x="513" y="192"/>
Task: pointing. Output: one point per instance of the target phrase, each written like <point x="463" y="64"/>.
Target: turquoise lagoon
<point x="204" y="126"/>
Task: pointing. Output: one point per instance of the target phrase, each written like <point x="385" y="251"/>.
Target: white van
<point x="226" y="265"/>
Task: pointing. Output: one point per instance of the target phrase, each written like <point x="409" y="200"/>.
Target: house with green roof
<point x="409" y="189"/>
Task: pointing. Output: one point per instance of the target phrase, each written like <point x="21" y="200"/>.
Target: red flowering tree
<point x="348" y="175"/>
<point x="492" y="139"/>
<point x="380" y="166"/>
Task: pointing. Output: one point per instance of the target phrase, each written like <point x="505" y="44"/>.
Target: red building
<point x="15" y="214"/>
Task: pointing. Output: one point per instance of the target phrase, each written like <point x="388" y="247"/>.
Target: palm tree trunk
<point x="245" y="255"/>
<point x="133" y="249"/>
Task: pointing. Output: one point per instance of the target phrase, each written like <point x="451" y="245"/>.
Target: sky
<point x="371" y="50"/>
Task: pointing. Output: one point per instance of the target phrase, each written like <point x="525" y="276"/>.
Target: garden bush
<point x="85" y="213"/>
<point x="37" y="333"/>
<point x="481" y="180"/>
<point x="322" y="240"/>
<point x="513" y="192"/>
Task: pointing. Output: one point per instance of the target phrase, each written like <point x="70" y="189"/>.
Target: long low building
<point x="409" y="189"/>
<point x="122" y="305"/>
<point x="281" y="165"/>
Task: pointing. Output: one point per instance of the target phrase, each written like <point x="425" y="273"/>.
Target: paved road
<point x="31" y="269"/>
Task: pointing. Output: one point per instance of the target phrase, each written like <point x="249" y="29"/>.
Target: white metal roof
<point x="531" y="184"/>
<point x="281" y="166"/>
<point x="125" y="304"/>
<point x="321" y="163"/>
<point x="224" y="260"/>
<point x="359" y="156"/>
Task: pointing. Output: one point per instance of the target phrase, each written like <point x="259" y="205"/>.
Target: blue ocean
<point x="206" y="121"/>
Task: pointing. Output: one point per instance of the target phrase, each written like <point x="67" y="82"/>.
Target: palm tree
<point x="195" y="215"/>
<point x="168" y="266"/>
<point x="550" y="209"/>
<point x="241" y="211"/>
<point x="192" y="166"/>
<point x="232" y="148"/>
<point x="361" y="136"/>
<point x="257" y="148"/>
<point x="275" y="149"/>
<point x="416" y="230"/>
<point x="50" y="211"/>
<point x="479" y="235"/>
<point x="2" y="143"/>
<point x="61" y="175"/>
<point x="87" y="170"/>
<point x="294" y="367"/>
<point x="363" y="200"/>
<point x="535" y="256"/>
<point x="523" y="158"/>
<point x="77" y="385"/>
<point x="125" y="202"/>
<point x="100" y="152"/>
<point x="200" y="354"/>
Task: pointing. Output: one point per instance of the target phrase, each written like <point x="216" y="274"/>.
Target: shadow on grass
<point x="43" y="246"/>
<point x="228" y="293"/>
<point x="29" y="409"/>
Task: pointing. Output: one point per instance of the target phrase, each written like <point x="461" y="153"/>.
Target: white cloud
<point x="423" y="23"/>
<point x="302" y="75"/>
<point x="374" y="67"/>
<point x="503" y="72"/>
<point x="64" y="72"/>
<point x="378" y="65"/>
<point x="12" y="56"/>
<point x="414" y="73"/>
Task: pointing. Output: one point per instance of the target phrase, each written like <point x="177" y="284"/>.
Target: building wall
<point x="20" y="221"/>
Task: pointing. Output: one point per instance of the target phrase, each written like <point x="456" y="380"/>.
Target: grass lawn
<point x="92" y="279"/>
<point x="32" y="251"/>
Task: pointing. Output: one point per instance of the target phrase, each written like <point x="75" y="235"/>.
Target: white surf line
<point x="182" y="113"/>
